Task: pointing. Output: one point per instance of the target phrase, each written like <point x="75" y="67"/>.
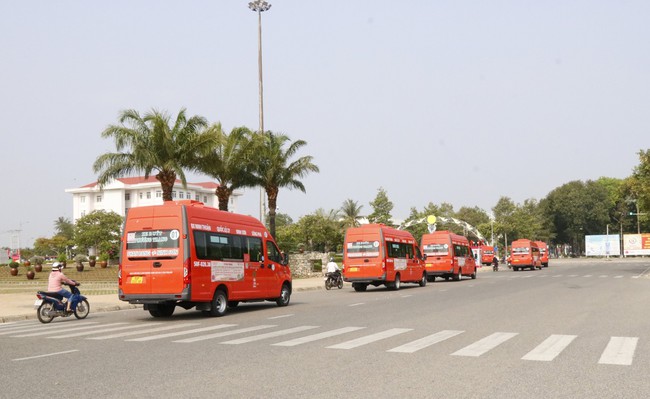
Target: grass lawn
<point x="94" y="279"/>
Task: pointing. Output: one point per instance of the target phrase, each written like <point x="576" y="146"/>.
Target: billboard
<point x="636" y="244"/>
<point x="603" y="245"/>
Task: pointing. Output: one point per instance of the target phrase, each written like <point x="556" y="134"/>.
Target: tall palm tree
<point x="351" y="213"/>
<point x="229" y="162"/>
<point x="273" y="168"/>
<point x="148" y="143"/>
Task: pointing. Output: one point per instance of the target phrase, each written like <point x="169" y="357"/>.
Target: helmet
<point x="56" y="265"/>
<point x="331" y="259"/>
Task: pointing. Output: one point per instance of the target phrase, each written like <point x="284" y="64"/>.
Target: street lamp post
<point x="260" y="6"/>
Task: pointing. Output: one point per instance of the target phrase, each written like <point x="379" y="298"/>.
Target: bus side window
<point x="272" y="252"/>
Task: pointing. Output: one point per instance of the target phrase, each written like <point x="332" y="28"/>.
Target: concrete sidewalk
<point x="20" y="306"/>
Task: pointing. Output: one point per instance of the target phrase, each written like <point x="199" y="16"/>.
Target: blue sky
<point x="455" y="101"/>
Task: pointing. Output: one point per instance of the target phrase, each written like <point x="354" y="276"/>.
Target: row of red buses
<point x="448" y="255"/>
<point x="185" y="254"/>
<point x="525" y="254"/>
<point x="375" y="254"/>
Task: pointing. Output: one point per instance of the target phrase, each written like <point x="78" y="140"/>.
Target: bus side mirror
<point x="424" y="256"/>
<point x="285" y="259"/>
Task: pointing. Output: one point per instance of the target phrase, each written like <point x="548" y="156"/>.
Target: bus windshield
<point x="363" y="249"/>
<point x="436" y="249"/>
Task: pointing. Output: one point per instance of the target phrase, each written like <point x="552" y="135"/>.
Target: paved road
<point x="575" y="330"/>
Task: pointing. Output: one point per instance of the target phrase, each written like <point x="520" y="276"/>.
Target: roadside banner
<point x="636" y="244"/>
<point x="603" y="245"/>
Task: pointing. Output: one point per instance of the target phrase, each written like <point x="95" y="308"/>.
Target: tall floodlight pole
<point x="260" y="6"/>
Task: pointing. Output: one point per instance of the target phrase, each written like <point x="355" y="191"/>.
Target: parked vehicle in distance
<point x="543" y="252"/>
<point x="525" y="254"/>
<point x="487" y="254"/>
<point x="375" y="254"/>
<point x="448" y="255"/>
<point x="186" y="254"/>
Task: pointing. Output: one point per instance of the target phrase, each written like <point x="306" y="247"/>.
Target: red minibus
<point x="448" y="255"/>
<point x="543" y="252"/>
<point x="186" y="254"/>
<point x="525" y="254"/>
<point x="487" y="254"/>
<point x="375" y="254"/>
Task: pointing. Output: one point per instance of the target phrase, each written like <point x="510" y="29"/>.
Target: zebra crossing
<point x="537" y="274"/>
<point x="619" y="351"/>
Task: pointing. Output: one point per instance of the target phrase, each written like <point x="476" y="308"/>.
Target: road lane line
<point x="427" y="341"/>
<point x="145" y="331"/>
<point x="587" y="275"/>
<point x="550" y="348"/>
<point x="177" y="333"/>
<point x="22" y="328"/>
<point x="103" y="330"/>
<point x="354" y="343"/>
<point x="484" y="345"/>
<point x="316" y="337"/>
<point x="618" y="277"/>
<point x="281" y="316"/>
<point x="356" y="304"/>
<point x="644" y="272"/>
<point x="49" y="354"/>
<point x="268" y="335"/>
<point x="60" y="330"/>
<point x="619" y="351"/>
<point x="224" y="334"/>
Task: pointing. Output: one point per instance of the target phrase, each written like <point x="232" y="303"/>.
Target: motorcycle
<point x="333" y="280"/>
<point x="495" y="265"/>
<point x="52" y="304"/>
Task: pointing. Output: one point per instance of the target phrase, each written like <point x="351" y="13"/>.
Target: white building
<point x="130" y="192"/>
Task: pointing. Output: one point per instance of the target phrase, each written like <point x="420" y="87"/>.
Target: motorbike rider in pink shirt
<point x="55" y="283"/>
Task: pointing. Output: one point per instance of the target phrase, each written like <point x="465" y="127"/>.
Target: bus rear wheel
<point x="219" y="304"/>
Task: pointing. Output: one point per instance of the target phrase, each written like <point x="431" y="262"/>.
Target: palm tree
<point x="273" y="168"/>
<point x="149" y="143"/>
<point x="229" y="162"/>
<point x="351" y="213"/>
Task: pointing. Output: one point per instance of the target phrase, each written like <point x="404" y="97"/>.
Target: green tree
<point x="317" y="231"/>
<point x="640" y="188"/>
<point x="351" y="211"/>
<point x="381" y="208"/>
<point x="230" y="162"/>
<point x="64" y="227"/>
<point x="274" y="168"/>
<point x="99" y="229"/>
<point x="149" y="143"/>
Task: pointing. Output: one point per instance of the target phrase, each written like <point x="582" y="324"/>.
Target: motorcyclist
<point x="333" y="269"/>
<point x="495" y="263"/>
<point x="55" y="284"/>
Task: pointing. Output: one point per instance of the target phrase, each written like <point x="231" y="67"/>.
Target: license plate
<point x="354" y="269"/>
<point x="38" y="303"/>
<point x="137" y="280"/>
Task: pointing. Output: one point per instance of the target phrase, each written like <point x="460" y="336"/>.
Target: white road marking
<point x="356" y="304"/>
<point x="316" y="337"/>
<point x="618" y="277"/>
<point x="59" y="331"/>
<point x="268" y="335"/>
<point x="573" y="275"/>
<point x="484" y="345"/>
<point x="603" y="276"/>
<point x="104" y="329"/>
<point x="23" y="328"/>
<point x="558" y="275"/>
<point x="224" y="334"/>
<point x="281" y="316"/>
<point x="644" y="272"/>
<point x="49" y="354"/>
<point x="427" y="341"/>
<point x="587" y="275"/>
<point x="184" y="332"/>
<point x="550" y="348"/>
<point x="370" y="338"/>
<point x="619" y="351"/>
<point x="145" y="331"/>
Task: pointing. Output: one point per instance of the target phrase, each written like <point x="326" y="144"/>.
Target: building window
<point x="127" y="197"/>
<point x="158" y="194"/>
<point x="140" y="194"/>
<point x="205" y="199"/>
<point x="82" y="199"/>
<point x="197" y="197"/>
<point x="189" y="195"/>
<point x="181" y="195"/>
<point x="98" y="199"/>
<point x="173" y="194"/>
<point x="148" y="194"/>
<point x="83" y="213"/>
